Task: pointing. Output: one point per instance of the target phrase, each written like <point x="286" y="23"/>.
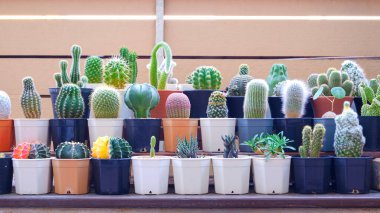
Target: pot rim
<point x="105" y="119"/>
<point x="191" y="159"/>
<point x="240" y="157"/>
<point x="180" y="119"/>
<point x="170" y="90"/>
<point x="361" y="157"/>
<point x="31" y="119"/>
<point x="39" y="159"/>
<point x="261" y="157"/>
<point x="81" y="159"/>
<point x="148" y="158"/>
<point x="313" y="158"/>
<point x="218" y="119"/>
<point x="255" y="119"/>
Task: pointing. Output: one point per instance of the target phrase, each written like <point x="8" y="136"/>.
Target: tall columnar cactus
<point x="371" y="101"/>
<point x="230" y="149"/>
<point x="278" y="73"/>
<point x="206" y="77"/>
<point x="30" y="99"/>
<point x="58" y="79"/>
<point x="72" y="150"/>
<point x="141" y="99"/>
<point x="31" y="151"/>
<point x="178" y="106"/>
<point x="217" y="105"/>
<point x="348" y="139"/>
<point x="356" y="75"/>
<point x="152" y="151"/>
<point x="312" y="80"/>
<point x="69" y="103"/>
<point x="333" y="78"/>
<point x="116" y="73"/>
<point x="159" y="74"/>
<point x="64" y="75"/>
<point x="105" y="102"/>
<point x="124" y="53"/>
<point x="94" y="69"/>
<point x="255" y="100"/>
<point x="187" y="148"/>
<point x="312" y="141"/>
<point x="111" y="148"/>
<point x="239" y="82"/>
<point x="130" y="57"/>
<point x="294" y="99"/>
<point x="76" y="51"/>
<point x="5" y="105"/>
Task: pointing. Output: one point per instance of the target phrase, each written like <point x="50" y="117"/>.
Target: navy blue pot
<point x="199" y="101"/>
<point x="329" y="123"/>
<point x="275" y="106"/>
<point x="235" y="106"/>
<point x="312" y="175"/>
<point x="6" y="175"/>
<point x="371" y="126"/>
<point x="358" y="105"/>
<point x="74" y="129"/>
<point x="292" y="128"/>
<point x="249" y="127"/>
<point x="138" y="132"/>
<point x="111" y="176"/>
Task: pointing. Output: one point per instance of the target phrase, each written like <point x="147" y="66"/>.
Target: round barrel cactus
<point x="217" y="106"/>
<point x="5" y="105"/>
<point x="69" y="103"/>
<point x="141" y="99"/>
<point x="72" y="150"/>
<point x="178" y="106"/>
<point x="111" y="148"/>
<point x="116" y="73"/>
<point x="30" y="99"/>
<point x="206" y="77"/>
<point x="94" y="69"/>
<point x="238" y="83"/>
<point x="31" y="151"/>
<point x="105" y="102"/>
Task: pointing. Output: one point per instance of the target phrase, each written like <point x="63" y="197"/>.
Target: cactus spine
<point x="111" y="148"/>
<point x="116" y="73"/>
<point x="31" y="151"/>
<point x="312" y="141"/>
<point x="294" y="99"/>
<point x="72" y="150"/>
<point x="239" y="82"/>
<point x="230" y="149"/>
<point x="30" y="99"/>
<point x="187" y="149"/>
<point x="178" y="106"/>
<point x="69" y="103"/>
<point x="371" y="101"/>
<point x="255" y="100"/>
<point x="206" y="77"/>
<point x="217" y="105"/>
<point x="356" y="75"/>
<point x="105" y="102"/>
<point x="278" y="73"/>
<point x="152" y="151"/>
<point x="159" y="77"/>
<point x="75" y="55"/>
<point x="58" y="80"/>
<point x="94" y="69"/>
<point x="5" y="105"/>
<point x="141" y="99"/>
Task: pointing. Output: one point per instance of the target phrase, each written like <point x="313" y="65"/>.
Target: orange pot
<point x="175" y="128"/>
<point x="323" y="104"/>
<point x="7" y="135"/>
<point x="71" y="176"/>
<point x="160" y="110"/>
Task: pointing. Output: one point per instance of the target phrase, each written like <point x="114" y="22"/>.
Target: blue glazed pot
<point x="329" y="123"/>
<point x="292" y="128"/>
<point x="6" y="175"/>
<point x="199" y="101"/>
<point x="138" y="132"/>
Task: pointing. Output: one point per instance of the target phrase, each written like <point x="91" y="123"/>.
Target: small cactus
<point x="94" y="69"/>
<point x="75" y="70"/>
<point x="312" y="80"/>
<point x="30" y="99"/>
<point x="31" y="151"/>
<point x="69" y="103"/>
<point x="116" y="73"/>
<point x="333" y="78"/>
<point x="159" y="74"/>
<point x="217" y="106"/>
<point x="111" y="148"/>
<point x="230" y="150"/>
<point x="178" y="106"/>
<point x="278" y="73"/>
<point x="294" y="99"/>
<point x="105" y="102"/>
<point x="58" y="80"/>
<point x="72" y="150"/>
<point x="206" y="77"/>
<point x="132" y="62"/>
<point x="141" y="99"/>
<point x="5" y="105"/>
<point x="255" y="100"/>
<point x="65" y="77"/>
<point x="356" y="75"/>
<point x="152" y="151"/>
<point x="279" y="88"/>
<point x="187" y="149"/>
<point x="312" y="141"/>
<point x="371" y="101"/>
<point x="239" y="82"/>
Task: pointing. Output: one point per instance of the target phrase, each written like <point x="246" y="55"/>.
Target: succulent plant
<point x="111" y="148"/>
<point x="230" y="149"/>
<point x="312" y="141"/>
<point x="152" y="151"/>
<point x="105" y="102"/>
<point x="65" y="77"/>
<point x="278" y="73"/>
<point x="159" y="74"/>
<point x="31" y="151"/>
<point x="130" y="57"/>
<point x="178" y="106"/>
<point x="206" y="77"/>
<point x="5" y="105"/>
<point x="69" y="103"/>
<point x="116" y="73"/>
<point x="356" y="75"/>
<point x="371" y="101"/>
<point x="94" y="69"/>
<point x="72" y="150"/>
<point x="187" y="149"/>
<point x="333" y="78"/>
<point x="279" y="88"/>
<point x="217" y="105"/>
<point x="141" y="99"/>
<point x="255" y="100"/>
<point x="348" y="139"/>
<point x="58" y="80"/>
<point x="312" y="80"/>
<point x="239" y="82"/>
<point x="374" y="84"/>
<point x="294" y="99"/>
<point x="30" y="99"/>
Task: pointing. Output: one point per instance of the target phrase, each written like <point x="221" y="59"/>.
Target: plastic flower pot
<point x="138" y="132"/>
<point x="7" y="137"/>
<point x="292" y="129"/>
<point x="6" y="175"/>
<point x="249" y="127"/>
<point x="376" y="174"/>
<point x="175" y="128"/>
<point x="329" y="123"/>
<point x="191" y="175"/>
<point x="100" y="127"/>
<point x="151" y="175"/>
<point x="371" y="126"/>
<point x="358" y="105"/>
<point x="312" y="175"/>
<point x="199" y="101"/>
<point x="271" y="176"/>
<point x="160" y="110"/>
<point x="235" y="106"/>
<point x="212" y="130"/>
<point x="231" y="175"/>
<point x="171" y="86"/>
<point x="111" y="176"/>
<point x="32" y="130"/>
<point x="323" y="104"/>
<point x="71" y="176"/>
<point x="62" y="130"/>
<point x="124" y="111"/>
<point x="275" y="106"/>
<point x="32" y="176"/>
<point x="352" y="175"/>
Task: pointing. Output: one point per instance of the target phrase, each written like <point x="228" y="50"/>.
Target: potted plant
<point x="217" y="123"/>
<point x="312" y="173"/>
<point x="33" y="128"/>
<point x="236" y="92"/>
<point x="71" y="168"/>
<point x="271" y="169"/>
<point x="6" y="173"/>
<point x="7" y="137"/>
<point x="231" y="171"/>
<point x="141" y="99"/>
<point x="188" y="167"/>
<point x="205" y="80"/>
<point x="93" y="70"/>
<point x="255" y="107"/>
<point x="178" y="124"/>
<point x="151" y="173"/>
<point x="111" y="162"/>
<point x="352" y="171"/>
<point x="130" y="57"/>
<point x="32" y="168"/>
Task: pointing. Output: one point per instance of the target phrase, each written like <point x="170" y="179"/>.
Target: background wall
<point x="186" y="37"/>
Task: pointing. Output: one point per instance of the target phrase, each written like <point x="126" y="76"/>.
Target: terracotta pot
<point x="323" y="104"/>
<point x="71" y="176"/>
<point x="160" y="110"/>
<point x="175" y="128"/>
<point x="7" y="137"/>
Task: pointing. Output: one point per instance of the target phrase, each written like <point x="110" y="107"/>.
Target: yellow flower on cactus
<point x="100" y="149"/>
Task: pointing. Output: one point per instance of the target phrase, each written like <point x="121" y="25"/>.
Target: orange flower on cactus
<point x="22" y="151"/>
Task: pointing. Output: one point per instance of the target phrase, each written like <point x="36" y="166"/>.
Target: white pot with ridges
<point x="212" y="129"/>
<point x="32" y="130"/>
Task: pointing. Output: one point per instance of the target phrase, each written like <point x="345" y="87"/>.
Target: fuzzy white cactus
<point x="356" y="74"/>
<point x="5" y="105"/>
<point x="294" y="99"/>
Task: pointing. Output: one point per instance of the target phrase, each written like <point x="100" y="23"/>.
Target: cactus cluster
<point x="255" y="100"/>
<point x="230" y="148"/>
<point x="348" y="139"/>
<point x="69" y="103"/>
<point x="30" y="99"/>
<point x="206" y="77"/>
<point x="217" y="105"/>
<point x="312" y="80"/>
<point x="105" y="102"/>
<point x="177" y="106"/>
<point x="130" y="57"/>
<point x="278" y="73"/>
<point x="187" y="149"/>
<point x="333" y="78"/>
<point x="141" y="99"/>
<point x="371" y="101"/>
<point x="111" y="148"/>
<point x="93" y="69"/>
<point x="238" y="83"/>
<point x="31" y="151"/>
<point x="5" y="105"/>
<point x="356" y="75"/>
<point x="116" y="73"/>
<point x="72" y="150"/>
<point x="294" y="99"/>
<point x="312" y="141"/>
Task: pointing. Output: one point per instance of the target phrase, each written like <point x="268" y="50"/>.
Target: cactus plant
<point x="130" y="57"/>
<point x="75" y="70"/>
<point x="238" y="83"/>
<point x="206" y="77"/>
<point x="69" y="103"/>
<point x="178" y="106"/>
<point x="94" y="69"/>
<point x="278" y="73"/>
<point x="217" y="105"/>
<point x="255" y="100"/>
<point x="187" y="149"/>
<point x="294" y="99"/>
<point x="105" y="102"/>
<point x="159" y="74"/>
<point x="152" y="151"/>
<point x="65" y="77"/>
<point x="356" y="75"/>
<point x="312" y="80"/>
<point x="111" y="148"/>
<point x="279" y="88"/>
<point x="312" y="141"/>
<point x="348" y="139"/>
<point x="30" y="99"/>
<point x="58" y="79"/>
<point x="5" y="105"/>
<point x="333" y="78"/>
<point x="371" y="101"/>
<point x="116" y="73"/>
<point x="72" y="150"/>
<point x="31" y="151"/>
<point x="141" y="99"/>
<point x="230" y="149"/>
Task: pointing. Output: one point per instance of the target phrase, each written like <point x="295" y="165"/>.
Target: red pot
<point x="323" y="104"/>
<point x="160" y="110"/>
<point x="7" y="135"/>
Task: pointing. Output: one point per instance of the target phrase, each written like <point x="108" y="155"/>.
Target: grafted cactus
<point x="111" y="148"/>
<point x="141" y="99"/>
<point x="72" y="150"/>
<point x="30" y="99"/>
<point x="278" y="73"/>
<point x="31" y="151"/>
<point x="69" y="103"/>
<point x="94" y="69"/>
<point x="217" y="105"/>
<point x="159" y="74"/>
<point x="294" y="99"/>
<point x="5" y="105"/>
<point x="206" y="77"/>
<point x="116" y="73"/>
<point x="178" y="106"/>
<point x="239" y="82"/>
<point x="255" y="100"/>
<point x="312" y="141"/>
<point x="230" y="149"/>
<point x="105" y="102"/>
<point x="356" y="75"/>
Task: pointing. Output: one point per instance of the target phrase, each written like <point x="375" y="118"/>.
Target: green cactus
<point x="65" y="77"/>
<point x="69" y="103"/>
<point x="116" y="73"/>
<point x="255" y="100"/>
<point x="75" y="70"/>
<point x="152" y="145"/>
<point x="239" y="82"/>
<point x="278" y="89"/>
<point x="94" y="70"/>
<point x="278" y="73"/>
<point x="119" y="148"/>
<point x="5" y="105"/>
<point x="124" y="53"/>
<point x="105" y="102"/>
<point x="206" y="77"/>
<point x="132" y="62"/>
<point x="30" y="99"/>
<point x="333" y="78"/>
<point x="230" y="149"/>
<point x="217" y="105"/>
<point x="307" y="135"/>
<point x="141" y="99"/>
<point x="294" y="99"/>
<point x="374" y="84"/>
<point x="159" y="75"/>
<point x="371" y="101"/>
<point x="58" y="80"/>
<point x="177" y="106"/>
<point x="312" y="80"/>
<point x="72" y="150"/>
<point x="356" y="75"/>
<point x="312" y="141"/>
<point x="38" y="151"/>
<point x="187" y="149"/>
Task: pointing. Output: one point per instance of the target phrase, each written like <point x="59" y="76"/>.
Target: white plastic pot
<point x="231" y="175"/>
<point x="124" y="111"/>
<point x="171" y="87"/>
<point x="32" y="176"/>
<point x="212" y="129"/>
<point x="271" y="176"/>
<point x="191" y="175"/>
<point x="151" y="175"/>
<point x="100" y="127"/>
<point x="185" y="87"/>
<point x="32" y="130"/>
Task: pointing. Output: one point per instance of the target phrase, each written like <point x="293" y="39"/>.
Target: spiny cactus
<point x="178" y="106"/>
<point x="94" y="69"/>
<point x="31" y="151"/>
<point x="239" y="82"/>
<point x="374" y="84"/>
<point x="116" y="73"/>
<point x="152" y="151"/>
<point x="141" y="99"/>
<point x="333" y="78"/>
<point x="75" y="70"/>
<point x="312" y="141"/>
<point x="159" y="74"/>
<point x="5" y="105"/>
<point x="105" y="102"/>
<point x="65" y="78"/>
<point x="356" y="75"/>
<point x="294" y="99"/>
<point x="371" y="101"/>
<point x="279" y="88"/>
<point x="69" y="103"/>
<point x="255" y="100"/>
<point x="217" y="105"/>
<point x="124" y="53"/>
<point x="206" y="77"/>
<point x="72" y="150"/>
<point x="187" y="149"/>
<point x="30" y="99"/>
<point x="111" y="148"/>
<point x="58" y="80"/>
<point x="348" y="139"/>
<point x="230" y="150"/>
<point x="278" y="73"/>
<point x="133" y="69"/>
<point x="312" y="80"/>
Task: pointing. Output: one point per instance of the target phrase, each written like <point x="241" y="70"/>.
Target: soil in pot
<point x="7" y="137"/>
<point x="62" y="130"/>
<point x="371" y="127"/>
<point x="358" y="105"/>
<point x="6" y="175"/>
<point x="323" y="104"/>
<point x="249" y="127"/>
<point x="138" y="132"/>
<point x="292" y="129"/>
<point x="235" y="106"/>
<point x="199" y="101"/>
<point x="329" y="123"/>
<point x="212" y="130"/>
<point x="32" y="130"/>
<point x="275" y="106"/>
<point x="99" y="127"/>
<point x="160" y="110"/>
<point x="175" y="128"/>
